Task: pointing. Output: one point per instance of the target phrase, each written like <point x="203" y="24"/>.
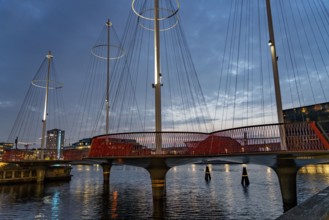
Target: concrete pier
<point x="286" y="169"/>
<point x="158" y="170"/>
<point x="106" y="172"/>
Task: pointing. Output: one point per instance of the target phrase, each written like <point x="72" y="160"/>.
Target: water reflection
<point x="19" y="192"/>
<point x="129" y="194"/>
<point x="103" y="203"/>
<point x="55" y="205"/>
<point x="271" y="179"/>
<point x="193" y="167"/>
<point x="312" y="179"/>
<point x="114" y="205"/>
<point x="159" y="208"/>
<point x="227" y="168"/>
<point x="315" y="169"/>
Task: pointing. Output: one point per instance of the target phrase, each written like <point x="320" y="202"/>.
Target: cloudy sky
<point x="30" y="28"/>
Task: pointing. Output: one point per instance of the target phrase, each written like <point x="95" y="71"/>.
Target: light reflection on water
<point x="312" y="179"/>
<point x="129" y="195"/>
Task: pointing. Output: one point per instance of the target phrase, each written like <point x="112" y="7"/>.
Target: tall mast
<point x="108" y="24"/>
<point x="157" y="79"/>
<point x="276" y="75"/>
<point x="44" y="118"/>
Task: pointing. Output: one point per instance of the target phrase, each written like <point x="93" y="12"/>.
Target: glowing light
<point x="315" y="169"/>
<point x="304" y="110"/>
<point x="115" y="205"/>
<point x="318" y="107"/>
<point x="210" y="167"/>
<point x="79" y="167"/>
<point x="193" y="167"/>
<point x="227" y="168"/>
<point x="2" y="164"/>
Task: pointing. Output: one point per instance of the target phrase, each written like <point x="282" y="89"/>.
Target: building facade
<point x="55" y="141"/>
<point x="318" y="113"/>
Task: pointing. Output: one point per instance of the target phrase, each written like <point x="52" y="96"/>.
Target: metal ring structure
<point x="107" y="58"/>
<point x="151" y="19"/>
<point x="41" y="84"/>
<point x="164" y="29"/>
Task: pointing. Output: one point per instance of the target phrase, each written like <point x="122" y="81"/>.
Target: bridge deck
<point x="270" y="159"/>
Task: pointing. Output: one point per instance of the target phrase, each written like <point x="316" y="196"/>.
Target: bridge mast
<point x="157" y="79"/>
<point x="107" y="105"/>
<point x="44" y="118"/>
<point x="276" y="75"/>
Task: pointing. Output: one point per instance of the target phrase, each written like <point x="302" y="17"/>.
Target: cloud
<point x="6" y="104"/>
<point x="31" y="28"/>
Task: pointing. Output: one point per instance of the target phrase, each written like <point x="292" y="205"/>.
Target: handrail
<point x="301" y="136"/>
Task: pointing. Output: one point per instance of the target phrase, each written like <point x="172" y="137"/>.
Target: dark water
<point x="129" y="195"/>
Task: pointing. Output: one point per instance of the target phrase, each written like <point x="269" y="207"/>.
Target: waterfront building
<point x="55" y="140"/>
<point x="318" y="113"/>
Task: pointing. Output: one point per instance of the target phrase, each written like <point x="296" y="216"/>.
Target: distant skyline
<point x="29" y="29"/>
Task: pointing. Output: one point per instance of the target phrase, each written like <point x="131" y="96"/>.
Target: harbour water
<point x="129" y="195"/>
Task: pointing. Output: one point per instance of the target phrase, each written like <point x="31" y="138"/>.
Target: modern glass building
<point x="55" y="140"/>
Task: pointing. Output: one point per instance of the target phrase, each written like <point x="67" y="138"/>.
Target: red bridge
<point x="302" y="143"/>
<point x="303" y="136"/>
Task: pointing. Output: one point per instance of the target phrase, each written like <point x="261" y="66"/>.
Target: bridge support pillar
<point x="286" y="169"/>
<point x="41" y="173"/>
<point x="158" y="170"/>
<point x="106" y="172"/>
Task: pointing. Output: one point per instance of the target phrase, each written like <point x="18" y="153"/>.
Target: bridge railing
<point x="262" y="138"/>
<point x="139" y="144"/>
<point x="254" y="138"/>
<point x="305" y="136"/>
